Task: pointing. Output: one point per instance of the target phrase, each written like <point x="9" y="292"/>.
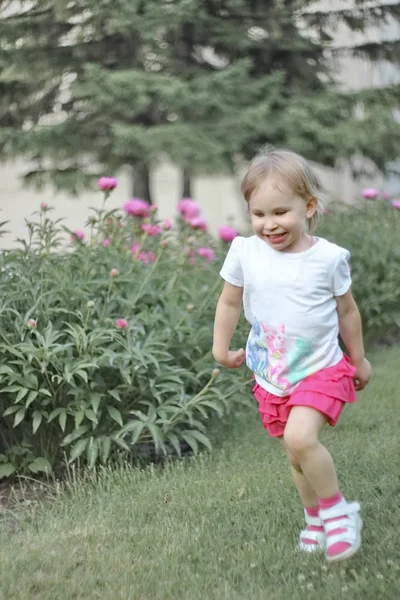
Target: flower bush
<point x="370" y="230"/>
<point x="105" y="346"/>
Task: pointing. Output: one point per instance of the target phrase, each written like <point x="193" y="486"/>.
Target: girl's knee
<point x="294" y="463"/>
<point x="298" y="442"/>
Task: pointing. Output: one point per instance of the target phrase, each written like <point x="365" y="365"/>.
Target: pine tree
<point x="91" y="86"/>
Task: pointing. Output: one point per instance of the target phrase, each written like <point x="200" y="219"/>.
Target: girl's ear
<point x="312" y="206"/>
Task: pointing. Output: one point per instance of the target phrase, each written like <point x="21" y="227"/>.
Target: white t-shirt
<point x="289" y="300"/>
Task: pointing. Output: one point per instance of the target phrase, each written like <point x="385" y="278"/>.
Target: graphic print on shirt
<point x="256" y="351"/>
<point x="297" y="370"/>
<point x="276" y="358"/>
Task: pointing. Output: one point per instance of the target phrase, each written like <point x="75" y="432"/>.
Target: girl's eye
<point x="281" y="212"/>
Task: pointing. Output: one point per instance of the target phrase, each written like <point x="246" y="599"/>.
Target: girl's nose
<point x="269" y="225"/>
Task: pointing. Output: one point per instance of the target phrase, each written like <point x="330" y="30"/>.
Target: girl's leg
<point x="301" y="440"/>
<point x="307" y="494"/>
<point x="312" y="538"/>
<point x="341" y="520"/>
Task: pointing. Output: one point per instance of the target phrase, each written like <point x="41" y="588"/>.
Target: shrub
<point x="106" y="344"/>
<point x="370" y="230"/>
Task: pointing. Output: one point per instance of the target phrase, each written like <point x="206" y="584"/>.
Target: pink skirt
<point x="327" y="391"/>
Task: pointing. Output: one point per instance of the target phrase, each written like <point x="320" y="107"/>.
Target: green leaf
<point x="136" y="428"/>
<point x="158" y="436"/>
<point x="105" y="451"/>
<point x="75" y="435"/>
<point x="203" y="439"/>
<point x="45" y="392"/>
<point x="6" y="469"/>
<point x="62" y="419"/>
<point x="11" y="410"/>
<point x="92" y="451"/>
<point x="31" y="397"/>
<point x="19" y="417"/>
<point x="115" y="414"/>
<point x="173" y="439"/>
<point x="95" y="400"/>
<point x="211" y="404"/>
<point x="189" y="439"/>
<point x="54" y="413"/>
<point x="91" y="416"/>
<point x="115" y="394"/>
<point x="37" y="419"/>
<point x="79" y="416"/>
<point x="6" y="370"/>
<point x="121" y="443"/>
<point x="77" y="449"/>
<point x="40" y="465"/>
<point x="82" y="374"/>
<point x="21" y="394"/>
<point x="11" y="389"/>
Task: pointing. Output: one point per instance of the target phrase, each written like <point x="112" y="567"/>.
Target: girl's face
<point x="279" y="217"/>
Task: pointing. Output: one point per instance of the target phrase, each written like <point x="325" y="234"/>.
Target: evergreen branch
<point x="383" y="50"/>
<point x="28" y="14"/>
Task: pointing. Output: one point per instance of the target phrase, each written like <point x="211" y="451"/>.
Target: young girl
<point x="296" y="292"/>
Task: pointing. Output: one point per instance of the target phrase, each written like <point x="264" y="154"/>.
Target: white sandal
<point x="316" y="536"/>
<point x="349" y="520"/>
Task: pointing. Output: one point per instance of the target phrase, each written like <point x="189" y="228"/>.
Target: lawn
<point x="220" y="526"/>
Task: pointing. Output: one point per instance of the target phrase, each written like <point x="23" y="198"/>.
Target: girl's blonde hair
<point x="292" y="169"/>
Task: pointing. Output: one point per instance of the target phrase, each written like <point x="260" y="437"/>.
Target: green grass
<point x="221" y="526"/>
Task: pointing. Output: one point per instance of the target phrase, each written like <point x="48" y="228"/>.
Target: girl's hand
<point x="362" y="374"/>
<point x="233" y="359"/>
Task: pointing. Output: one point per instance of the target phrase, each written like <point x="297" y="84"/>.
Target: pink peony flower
<point x="227" y="234"/>
<point x="146" y="257"/>
<point x="207" y="253"/>
<point x="114" y="273"/>
<point x="396" y="204"/>
<point x="164" y="243"/>
<point x="43" y="206"/>
<point x="189" y="208"/>
<point x="152" y="230"/>
<point x="167" y="224"/>
<point x="79" y="233"/>
<point x="198" y="223"/>
<point x="31" y="323"/>
<point x="370" y="193"/>
<point x="107" y="183"/>
<point x="153" y="208"/>
<point x="135" y="248"/>
<point x="137" y="208"/>
<point x="106" y="243"/>
<point x="121" y="323"/>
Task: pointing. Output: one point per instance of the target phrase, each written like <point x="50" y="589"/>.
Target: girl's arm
<point x="350" y="329"/>
<point x="226" y="320"/>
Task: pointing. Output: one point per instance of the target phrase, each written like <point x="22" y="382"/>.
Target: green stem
<point x="107" y="299"/>
<point x="145" y="280"/>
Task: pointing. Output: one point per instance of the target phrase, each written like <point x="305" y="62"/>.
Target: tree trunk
<point x="141" y="183"/>
<point x="186" y="183"/>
